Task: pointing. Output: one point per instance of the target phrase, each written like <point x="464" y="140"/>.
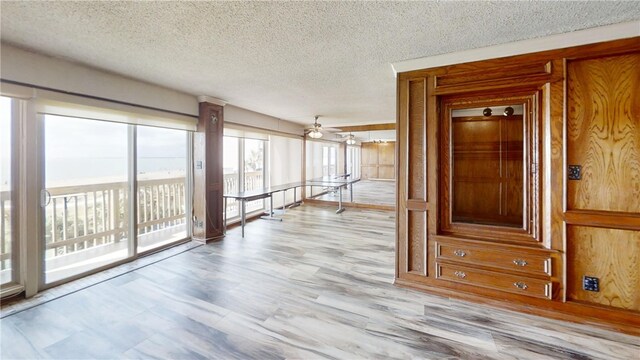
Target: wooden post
<point x="208" y="222"/>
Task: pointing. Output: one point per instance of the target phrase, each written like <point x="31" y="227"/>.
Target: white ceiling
<point x="291" y="60"/>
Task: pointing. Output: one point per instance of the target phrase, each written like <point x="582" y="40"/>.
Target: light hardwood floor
<point x="317" y="285"/>
<point x="375" y="192"/>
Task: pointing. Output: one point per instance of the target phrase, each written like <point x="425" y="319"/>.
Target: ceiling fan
<point x="315" y="130"/>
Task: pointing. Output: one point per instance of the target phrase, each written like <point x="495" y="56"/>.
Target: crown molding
<point x="557" y="41"/>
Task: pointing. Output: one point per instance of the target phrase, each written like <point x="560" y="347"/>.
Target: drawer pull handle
<point x="460" y="253"/>
<point x="520" y="262"/>
<point x="520" y="285"/>
<point x="460" y="274"/>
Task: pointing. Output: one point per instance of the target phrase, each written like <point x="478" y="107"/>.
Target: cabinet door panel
<point x="612" y="256"/>
<point x="603" y="133"/>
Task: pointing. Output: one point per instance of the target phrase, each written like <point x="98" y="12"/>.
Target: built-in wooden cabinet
<point x="519" y="182"/>
<point x="378" y="160"/>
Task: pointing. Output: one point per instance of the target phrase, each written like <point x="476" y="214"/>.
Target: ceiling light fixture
<point x="315" y="134"/>
<point x="351" y="140"/>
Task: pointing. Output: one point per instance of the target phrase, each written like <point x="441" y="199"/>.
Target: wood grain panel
<point x="386" y="172"/>
<point x="369" y="154"/>
<point x="611" y="255"/>
<point x="417" y="134"/>
<point x="378" y="160"/>
<point x="387" y="153"/>
<point x="513" y="70"/>
<point x="417" y="231"/>
<point x="603" y="133"/>
<point x="369" y="171"/>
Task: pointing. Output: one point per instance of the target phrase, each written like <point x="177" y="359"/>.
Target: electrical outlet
<point x="590" y="283"/>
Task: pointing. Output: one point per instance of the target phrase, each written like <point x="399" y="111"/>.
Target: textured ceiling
<point x="291" y="60"/>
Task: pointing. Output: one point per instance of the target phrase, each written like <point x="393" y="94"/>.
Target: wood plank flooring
<point x="317" y="285"/>
<point x="375" y="192"/>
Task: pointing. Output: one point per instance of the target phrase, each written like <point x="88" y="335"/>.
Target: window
<point x="244" y="170"/>
<point x="86" y="223"/>
<point x="254" y="170"/>
<point x="7" y="204"/>
<point x="231" y="170"/>
<point x="353" y="161"/>
<point x="161" y="179"/>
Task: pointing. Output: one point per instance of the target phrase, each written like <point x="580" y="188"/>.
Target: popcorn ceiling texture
<point x="291" y="60"/>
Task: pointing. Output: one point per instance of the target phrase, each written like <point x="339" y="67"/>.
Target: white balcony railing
<point x="252" y="180"/>
<point x="94" y="216"/>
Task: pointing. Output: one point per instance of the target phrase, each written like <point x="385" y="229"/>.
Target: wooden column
<point x="208" y="177"/>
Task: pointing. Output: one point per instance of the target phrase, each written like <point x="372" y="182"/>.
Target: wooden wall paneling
<point x="416" y="175"/>
<point x="371" y="127"/>
<point x="552" y="166"/>
<point x="369" y="171"/>
<point x="386" y="153"/>
<point x="401" y="179"/>
<point x="603" y="133"/>
<point x="502" y="67"/>
<point x="208" y="174"/>
<point x="431" y="173"/>
<point x="386" y="172"/>
<point x="417" y="238"/>
<point x="542" y="78"/>
<point x="369" y="154"/>
<point x="369" y="161"/>
<point x="417" y="145"/>
<point x="611" y="255"/>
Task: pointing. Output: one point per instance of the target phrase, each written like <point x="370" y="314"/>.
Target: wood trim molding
<point x="372" y="127"/>
<point x="208" y="180"/>
<point x="557" y="41"/>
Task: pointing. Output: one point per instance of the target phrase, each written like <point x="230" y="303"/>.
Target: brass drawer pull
<point x="520" y="262"/>
<point x="460" y="274"/>
<point x="460" y="253"/>
<point x="520" y="285"/>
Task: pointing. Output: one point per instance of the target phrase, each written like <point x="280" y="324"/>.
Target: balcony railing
<point x="252" y="180"/>
<point x="94" y="217"/>
<point x="88" y="221"/>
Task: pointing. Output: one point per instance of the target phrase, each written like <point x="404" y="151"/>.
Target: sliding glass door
<point x="7" y="205"/>
<point x="86" y="197"/>
<point x="254" y="170"/>
<point x="161" y="180"/>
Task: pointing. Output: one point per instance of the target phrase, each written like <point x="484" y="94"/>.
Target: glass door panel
<point x="254" y="170"/>
<point x="86" y="197"/>
<point x="231" y="173"/>
<point x="6" y="195"/>
<point x="161" y="180"/>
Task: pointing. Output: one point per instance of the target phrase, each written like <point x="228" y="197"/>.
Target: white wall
<point x="285" y="165"/>
<point x="35" y="69"/>
<point x="240" y="116"/>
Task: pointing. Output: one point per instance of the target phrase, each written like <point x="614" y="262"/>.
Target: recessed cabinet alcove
<point x="519" y="179"/>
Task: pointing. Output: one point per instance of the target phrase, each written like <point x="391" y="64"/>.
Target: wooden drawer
<point x="502" y="259"/>
<point x="494" y="280"/>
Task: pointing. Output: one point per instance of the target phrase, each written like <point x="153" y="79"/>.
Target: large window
<point x="254" y="170"/>
<point x="89" y="196"/>
<point x="161" y="179"/>
<point x="353" y="161"/>
<point x="244" y="170"/>
<point x="231" y="170"/>
<point x="86" y="221"/>
<point x="6" y="193"/>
